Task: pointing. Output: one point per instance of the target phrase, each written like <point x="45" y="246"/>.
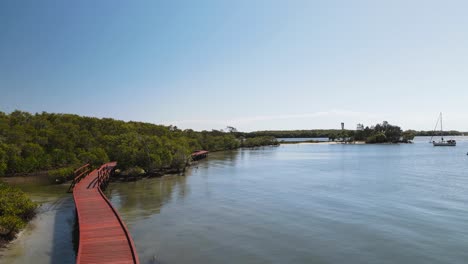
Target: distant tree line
<point x="435" y="133"/>
<point x="314" y="133"/>
<point x="376" y="131"/>
<point x="56" y="142"/>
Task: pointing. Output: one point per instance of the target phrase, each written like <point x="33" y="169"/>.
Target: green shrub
<point x="3" y="159"/>
<point x="10" y="225"/>
<point x="95" y="157"/>
<point x="15" y="210"/>
<point x="15" y="202"/>
<point x="377" y="138"/>
<point x="134" y="171"/>
<point x="408" y="135"/>
<point x="259" y="141"/>
<point x="61" y="175"/>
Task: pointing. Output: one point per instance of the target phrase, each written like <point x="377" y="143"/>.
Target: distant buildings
<point x="359" y="127"/>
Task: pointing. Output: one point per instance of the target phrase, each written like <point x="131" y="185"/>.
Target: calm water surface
<point x="301" y="139"/>
<point x="306" y="203"/>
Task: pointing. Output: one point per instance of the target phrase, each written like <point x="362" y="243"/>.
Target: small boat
<point x="442" y="142"/>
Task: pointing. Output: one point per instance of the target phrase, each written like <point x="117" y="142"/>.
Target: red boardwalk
<point x="103" y="235"/>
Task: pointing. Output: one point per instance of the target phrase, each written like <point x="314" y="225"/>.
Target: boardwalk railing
<point x="104" y="180"/>
<point x="103" y="236"/>
<point x="103" y="176"/>
<point x="79" y="174"/>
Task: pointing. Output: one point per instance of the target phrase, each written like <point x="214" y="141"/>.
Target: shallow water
<point x="306" y="203"/>
<point x="48" y="238"/>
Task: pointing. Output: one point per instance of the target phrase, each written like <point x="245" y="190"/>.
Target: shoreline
<point x="339" y="143"/>
<point x="323" y="142"/>
<point x="5" y="242"/>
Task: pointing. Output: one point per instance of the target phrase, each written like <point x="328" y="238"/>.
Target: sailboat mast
<point x="435" y="129"/>
<point x="441" y="129"/>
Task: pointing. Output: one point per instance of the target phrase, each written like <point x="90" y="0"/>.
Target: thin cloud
<point x="242" y="121"/>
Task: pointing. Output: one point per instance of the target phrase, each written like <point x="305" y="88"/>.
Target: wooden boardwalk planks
<point x="104" y="237"/>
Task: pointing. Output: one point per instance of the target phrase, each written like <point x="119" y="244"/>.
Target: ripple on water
<point x="299" y="204"/>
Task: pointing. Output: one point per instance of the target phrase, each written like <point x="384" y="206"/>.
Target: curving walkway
<point x="104" y="237"/>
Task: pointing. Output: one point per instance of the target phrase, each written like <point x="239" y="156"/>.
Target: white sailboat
<point x="442" y="142"/>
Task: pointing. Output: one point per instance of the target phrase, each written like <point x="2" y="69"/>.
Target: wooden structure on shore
<point x="199" y="154"/>
<point x="103" y="236"/>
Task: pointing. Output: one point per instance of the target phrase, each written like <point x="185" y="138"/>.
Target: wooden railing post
<point x="103" y="176"/>
<point x="78" y="175"/>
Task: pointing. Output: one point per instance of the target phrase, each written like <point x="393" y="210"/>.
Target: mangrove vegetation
<point x="15" y="211"/>
<point x="337" y="133"/>
<point x="382" y="133"/>
<point x="57" y="143"/>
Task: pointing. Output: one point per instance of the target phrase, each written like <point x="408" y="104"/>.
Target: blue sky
<point x="250" y="64"/>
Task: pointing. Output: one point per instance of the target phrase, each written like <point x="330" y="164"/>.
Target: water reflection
<point x="146" y="197"/>
<point x="224" y="158"/>
<point x="288" y="204"/>
<point x="309" y="204"/>
<point x="140" y="199"/>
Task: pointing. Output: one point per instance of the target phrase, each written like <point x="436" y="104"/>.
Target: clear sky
<point x="250" y="64"/>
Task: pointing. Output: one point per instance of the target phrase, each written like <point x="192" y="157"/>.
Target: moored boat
<point x="442" y="142"/>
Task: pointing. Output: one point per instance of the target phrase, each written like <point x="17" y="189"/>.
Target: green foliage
<point x="259" y="141"/>
<point x="435" y="133"/>
<point x="60" y="175"/>
<point x="217" y="140"/>
<point x="10" y="225"/>
<point x="3" y="159"/>
<point x="44" y="141"/>
<point x="94" y="156"/>
<point x="15" y="210"/>
<point x="377" y="138"/>
<point x="391" y="133"/>
<point x="179" y="158"/>
<point x="408" y="135"/>
<point x="342" y="136"/>
<point x="381" y="133"/>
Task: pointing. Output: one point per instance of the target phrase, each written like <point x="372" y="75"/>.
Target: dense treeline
<point x="435" y="133"/>
<point x="380" y="133"/>
<point x="259" y="141"/>
<point x="46" y="141"/>
<point x="333" y="133"/>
